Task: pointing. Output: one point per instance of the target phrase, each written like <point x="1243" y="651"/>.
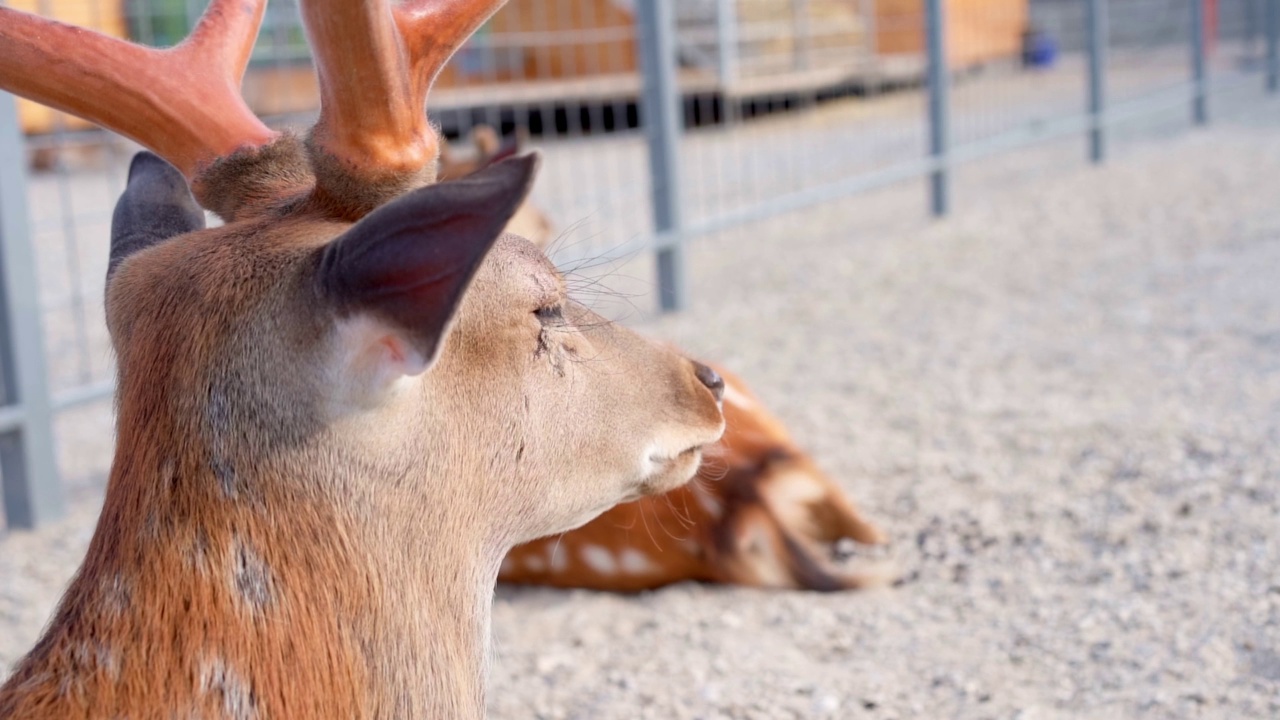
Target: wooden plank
<point x="977" y="30"/>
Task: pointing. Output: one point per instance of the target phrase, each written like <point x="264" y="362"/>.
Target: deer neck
<point x="265" y="593"/>
<point x="432" y="628"/>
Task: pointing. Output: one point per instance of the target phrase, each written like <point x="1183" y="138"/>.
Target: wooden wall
<point x="542" y="40"/>
<point x="977" y="30"/>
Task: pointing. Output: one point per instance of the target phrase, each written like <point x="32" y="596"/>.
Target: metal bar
<point x="1165" y="101"/>
<point x="1251" y="23"/>
<point x="83" y="395"/>
<point x="11" y="419"/>
<point x="32" y="494"/>
<point x="803" y="34"/>
<point x="1098" y="39"/>
<point x="1199" y="76"/>
<point x="869" y="31"/>
<point x="939" y="106"/>
<point x="727" y="41"/>
<point x="1273" y="45"/>
<point x="660" y="107"/>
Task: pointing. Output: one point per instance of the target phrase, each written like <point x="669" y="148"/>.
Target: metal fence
<point x="661" y="121"/>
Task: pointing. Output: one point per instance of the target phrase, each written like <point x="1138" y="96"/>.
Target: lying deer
<point x="761" y="513"/>
<point x="337" y="412"/>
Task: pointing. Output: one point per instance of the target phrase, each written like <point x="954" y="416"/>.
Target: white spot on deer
<point x="224" y="684"/>
<point x="106" y="659"/>
<point x="251" y="578"/>
<point x="634" y="562"/>
<point x="710" y="503"/>
<point x="599" y="559"/>
<point x="507" y="565"/>
<point x="117" y="596"/>
<point x="89" y="657"/>
<point x="735" y="397"/>
<point x="796" y="487"/>
<point x="198" y="552"/>
<point x="168" y="483"/>
<point x="559" y="559"/>
<point x="533" y="563"/>
<point x="225" y="473"/>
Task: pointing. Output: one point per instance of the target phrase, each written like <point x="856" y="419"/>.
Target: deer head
<point x="338" y="411"/>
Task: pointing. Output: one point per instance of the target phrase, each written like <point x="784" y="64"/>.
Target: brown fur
<point x="255" y="178"/>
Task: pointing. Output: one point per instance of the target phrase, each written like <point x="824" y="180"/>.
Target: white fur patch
<point x="533" y="563"/>
<point x="634" y="562"/>
<point x="559" y="559"/>
<point x="709" y="502"/>
<point x="226" y="686"/>
<point x="599" y="559"/>
<point x="371" y="364"/>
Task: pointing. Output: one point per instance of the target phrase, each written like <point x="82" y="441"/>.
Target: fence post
<point x="1273" y="44"/>
<point x="727" y="42"/>
<point x="803" y="33"/>
<point x="939" y="106"/>
<point x="28" y="472"/>
<point x="661" y="107"/>
<point x="1199" y="78"/>
<point x="1098" y="38"/>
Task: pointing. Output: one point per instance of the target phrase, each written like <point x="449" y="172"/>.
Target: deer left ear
<point x="156" y="205"/>
<point x="408" y="263"/>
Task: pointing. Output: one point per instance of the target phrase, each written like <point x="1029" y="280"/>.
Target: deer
<point x="337" y="411"/>
<point x="760" y="513"/>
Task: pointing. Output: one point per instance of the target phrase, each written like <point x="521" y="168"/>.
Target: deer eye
<point x="550" y="314"/>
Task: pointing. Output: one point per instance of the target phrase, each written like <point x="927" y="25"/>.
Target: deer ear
<point x="156" y="205"/>
<point x="408" y="263"/>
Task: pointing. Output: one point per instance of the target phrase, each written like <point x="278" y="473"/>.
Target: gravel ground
<point x="1064" y="405"/>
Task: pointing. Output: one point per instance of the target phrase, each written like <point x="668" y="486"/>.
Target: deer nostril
<point x="710" y="378"/>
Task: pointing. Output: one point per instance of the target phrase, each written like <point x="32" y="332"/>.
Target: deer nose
<point x="710" y="378"/>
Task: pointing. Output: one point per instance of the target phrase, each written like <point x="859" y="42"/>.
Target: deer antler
<point x="376" y="65"/>
<point x="183" y="103"/>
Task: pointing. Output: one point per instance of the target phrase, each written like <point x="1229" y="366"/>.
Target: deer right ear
<point x="156" y="205"/>
<point x="407" y="264"/>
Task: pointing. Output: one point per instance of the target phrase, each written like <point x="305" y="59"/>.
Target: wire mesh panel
<point x="1237" y="43"/>
<point x="562" y="77"/>
<point x="787" y="99"/>
<point x="1011" y="74"/>
<point x="1149" y="50"/>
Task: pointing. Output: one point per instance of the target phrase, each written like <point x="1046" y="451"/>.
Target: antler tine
<point x="376" y="65"/>
<point x="435" y="29"/>
<point x="183" y="103"/>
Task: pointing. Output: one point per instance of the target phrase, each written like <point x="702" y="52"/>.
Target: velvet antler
<point x="376" y="65"/>
<point x="183" y="103"/>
